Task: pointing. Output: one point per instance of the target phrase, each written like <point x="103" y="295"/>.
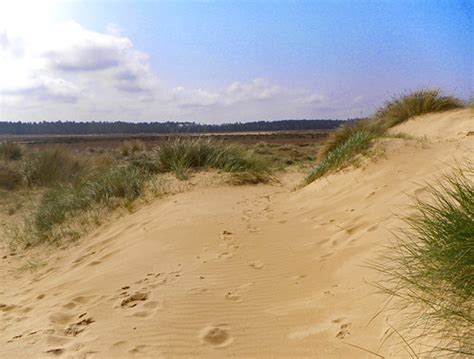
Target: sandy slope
<point x="259" y="271"/>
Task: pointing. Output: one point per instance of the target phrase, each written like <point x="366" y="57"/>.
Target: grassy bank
<point x="356" y="137"/>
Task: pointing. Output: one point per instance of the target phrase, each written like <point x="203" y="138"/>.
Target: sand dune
<point x="219" y="271"/>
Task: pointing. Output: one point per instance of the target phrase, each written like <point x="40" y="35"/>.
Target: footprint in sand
<point x="232" y="296"/>
<point x="225" y="255"/>
<point x="131" y="300"/>
<point x="225" y="235"/>
<point x="257" y="264"/>
<point x="345" y="330"/>
<point x="420" y="191"/>
<point x="55" y="351"/>
<point x="7" y="307"/>
<point x="216" y="336"/>
<point x="76" y="328"/>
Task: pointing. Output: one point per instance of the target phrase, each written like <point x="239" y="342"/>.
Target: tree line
<point x="118" y="127"/>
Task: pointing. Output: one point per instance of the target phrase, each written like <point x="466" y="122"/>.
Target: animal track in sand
<point x="216" y="336"/>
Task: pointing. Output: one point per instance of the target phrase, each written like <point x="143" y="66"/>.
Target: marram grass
<point x="429" y="269"/>
<point x="355" y="137"/>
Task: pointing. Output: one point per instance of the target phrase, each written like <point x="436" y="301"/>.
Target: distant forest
<point x="98" y="128"/>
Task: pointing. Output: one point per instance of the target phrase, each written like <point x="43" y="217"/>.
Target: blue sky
<point x="219" y="61"/>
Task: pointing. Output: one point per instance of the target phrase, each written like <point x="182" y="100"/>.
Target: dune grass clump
<point x="358" y="142"/>
<point x="416" y="103"/>
<point x="130" y="147"/>
<point x="10" y="177"/>
<point x="11" y="151"/>
<point x="182" y="155"/>
<point x="430" y="268"/>
<point x="53" y="166"/>
<point x="64" y="201"/>
<point x="342" y="134"/>
<point x="355" y="137"/>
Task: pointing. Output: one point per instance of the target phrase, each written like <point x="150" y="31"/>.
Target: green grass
<point x="183" y="155"/>
<point x="342" y="134"/>
<point x="430" y="267"/>
<point x="342" y="155"/>
<point x="64" y="201"/>
<point x="355" y="137"/>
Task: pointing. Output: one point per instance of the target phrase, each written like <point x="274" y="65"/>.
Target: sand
<point x="220" y="271"/>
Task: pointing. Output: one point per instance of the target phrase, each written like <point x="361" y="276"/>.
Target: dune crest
<point x="250" y="271"/>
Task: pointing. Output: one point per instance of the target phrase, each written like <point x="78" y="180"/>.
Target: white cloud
<point x="106" y="78"/>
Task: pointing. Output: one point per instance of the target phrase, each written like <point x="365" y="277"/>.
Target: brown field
<point x="113" y="141"/>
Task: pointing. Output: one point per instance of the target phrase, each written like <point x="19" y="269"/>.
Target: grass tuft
<point x="339" y="136"/>
<point x="10" y="177"/>
<point x="416" y="103"/>
<point x="11" y="151"/>
<point x="130" y="147"/>
<point x="430" y="267"/>
<point x="53" y="166"/>
<point x="355" y="137"/>
<point x="182" y="155"/>
<point x="342" y="155"/>
<point x="60" y="203"/>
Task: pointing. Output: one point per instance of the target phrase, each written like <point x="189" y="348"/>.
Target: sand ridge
<point x="252" y="271"/>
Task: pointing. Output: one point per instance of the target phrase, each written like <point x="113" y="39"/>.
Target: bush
<point x="10" y="177"/>
<point x="64" y="201"/>
<point x="416" y="103"/>
<point x="11" y="151"/>
<point x="431" y="266"/>
<point x="49" y="167"/>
